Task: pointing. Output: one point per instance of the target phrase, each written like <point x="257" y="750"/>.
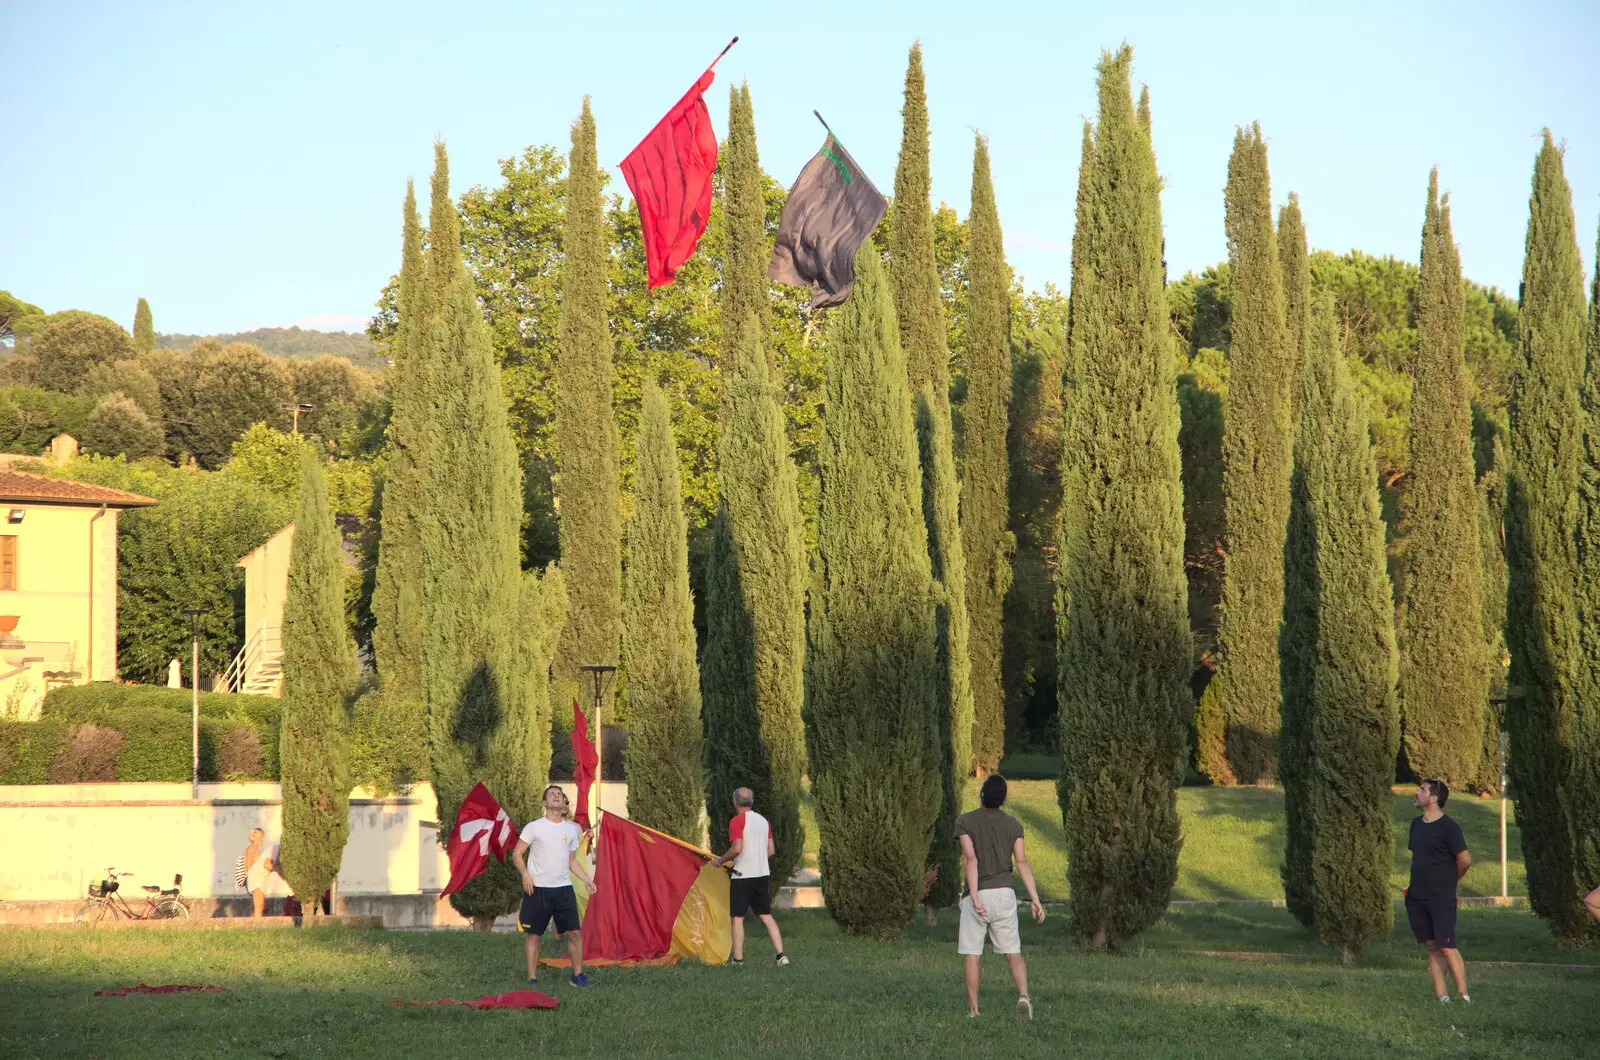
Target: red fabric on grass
<point x="514" y="999"/>
<point x="669" y="174"/>
<point x="170" y="988"/>
<point x="643" y="876"/>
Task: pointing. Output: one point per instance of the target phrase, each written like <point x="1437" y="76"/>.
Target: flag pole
<point x="825" y="125"/>
<point x="723" y="52"/>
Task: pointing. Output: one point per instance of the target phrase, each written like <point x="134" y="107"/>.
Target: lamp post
<point x="602" y="681"/>
<point x="296" y="407"/>
<point x="194" y="614"/>
<point x="1498" y="705"/>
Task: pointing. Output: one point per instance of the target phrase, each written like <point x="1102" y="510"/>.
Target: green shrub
<point x="27" y="748"/>
<point x="157" y="724"/>
<point x="90" y="755"/>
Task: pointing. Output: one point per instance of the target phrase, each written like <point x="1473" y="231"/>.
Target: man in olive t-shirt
<point x="991" y="840"/>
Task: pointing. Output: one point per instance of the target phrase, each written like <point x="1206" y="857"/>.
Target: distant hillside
<point x="293" y="342"/>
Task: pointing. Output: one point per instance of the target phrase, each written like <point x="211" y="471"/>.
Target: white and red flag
<point x="482" y="828"/>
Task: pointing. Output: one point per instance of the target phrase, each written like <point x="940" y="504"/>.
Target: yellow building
<point x="58" y="585"/>
<point x="257" y="669"/>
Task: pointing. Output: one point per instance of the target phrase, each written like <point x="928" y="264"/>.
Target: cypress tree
<point x="744" y="269"/>
<point x="144" y="329"/>
<point x="319" y="675"/>
<point x="658" y="644"/>
<point x="1341" y="729"/>
<point x="1295" y="260"/>
<point x="1583" y="791"/>
<point x="751" y="672"/>
<point x="1255" y="477"/>
<point x="1123" y="681"/>
<point x="873" y="710"/>
<point x="586" y="432"/>
<point x="482" y="714"/>
<point x="1542" y="709"/>
<point x="1444" y="683"/>
<point x="984" y="492"/>
<point x="397" y="587"/>
<point x="1492" y="565"/>
<point x="919" y="309"/>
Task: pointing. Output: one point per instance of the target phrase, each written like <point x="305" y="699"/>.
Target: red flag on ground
<point x="482" y="828"/>
<point x="669" y="174"/>
<point x="514" y="999"/>
<point x="643" y="876"/>
<point x="585" y="762"/>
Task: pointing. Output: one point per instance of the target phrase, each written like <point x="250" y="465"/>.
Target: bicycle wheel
<point x="95" y="910"/>
<point x="171" y="909"/>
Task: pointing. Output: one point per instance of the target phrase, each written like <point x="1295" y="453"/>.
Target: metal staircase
<point x="258" y="668"/>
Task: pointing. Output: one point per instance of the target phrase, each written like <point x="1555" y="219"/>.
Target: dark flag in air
<point x="831" y="211"/>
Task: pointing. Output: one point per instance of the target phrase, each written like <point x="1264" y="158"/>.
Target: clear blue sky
<point x="243" y="165"/>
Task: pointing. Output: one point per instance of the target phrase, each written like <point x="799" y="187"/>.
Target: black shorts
<point x="1433" y="920"/>
<point x="546" y="904"/>
<point x="750" y="894"/>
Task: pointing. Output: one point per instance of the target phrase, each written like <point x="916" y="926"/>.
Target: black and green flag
<point x="831" y="211"/>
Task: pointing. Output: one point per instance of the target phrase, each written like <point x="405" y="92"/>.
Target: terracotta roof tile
<point x="22" y="487"/>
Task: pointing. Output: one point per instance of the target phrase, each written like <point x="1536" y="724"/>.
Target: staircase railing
<point x="264" y="646"/>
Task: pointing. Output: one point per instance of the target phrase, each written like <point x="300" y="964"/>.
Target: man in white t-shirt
<point x="750" y="890"/>
<point x="547" y="857"/>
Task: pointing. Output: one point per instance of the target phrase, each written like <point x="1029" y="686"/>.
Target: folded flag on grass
<point x="170" y="988"/>
<point x="514" y="999"/>
<point x="658" y="896"/>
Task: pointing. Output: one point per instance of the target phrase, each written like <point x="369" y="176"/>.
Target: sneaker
<point x="1025" y="1008"/>
<point x="782" y="960"/>
<point x="581" y="979"/>
<point x="532" y="981"/>
<point x="972" y="1015"/>
<point x="1444" y="998"/>
<point x="737" y="962"/>
<point x="1466" y="999"/>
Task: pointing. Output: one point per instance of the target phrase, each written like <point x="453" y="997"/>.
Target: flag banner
<point x="831" y="211"/>
<point x="482" y="828"/>
<point x="514" y="999"/>
<point x="170" y="988"/>
<point x="669" y="174"/>
<point x="586" y="762"/>
<point x="657" y="896"/>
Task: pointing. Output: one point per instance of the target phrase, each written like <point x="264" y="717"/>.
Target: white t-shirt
<point x="551" y="845"/>
<point x="754" y="830"/>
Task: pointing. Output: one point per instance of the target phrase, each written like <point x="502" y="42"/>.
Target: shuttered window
<point x="8" y="563"/>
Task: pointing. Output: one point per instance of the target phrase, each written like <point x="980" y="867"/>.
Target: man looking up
<point x="546" y="856"/>
<point x="991" y="840"/>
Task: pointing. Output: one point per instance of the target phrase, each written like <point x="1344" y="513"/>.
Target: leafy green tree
<point x="1444" y="683"/>
<point x="658" y="644"/>
<point x="1543" y="708"/>
<point x="144" y="330"/>
<point x="18" y="319"/>
<point x="319" y="675"/>
<point x="30" y="417"/>
<point x="483" y="721"/>
<point x="1125" y="651"/>
<point x="1340" y="723"/>
<point x="591" y="528"/>
<point x="338" y="392"/>
<point x="119" y="425"/>
<point x="873" y="710"/>
<point x="913" y="268"/>
<point x="131" y="378"/>
<point x="232" y="387"/>
<point x="1255" y="475"/>
<point x="71" y="343"/>
<point x="984" y="489"/>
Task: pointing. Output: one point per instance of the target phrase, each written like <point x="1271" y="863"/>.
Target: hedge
<point x="238" y="734"/>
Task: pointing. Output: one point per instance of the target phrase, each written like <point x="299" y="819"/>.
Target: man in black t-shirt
<point x="1438" y="859"/>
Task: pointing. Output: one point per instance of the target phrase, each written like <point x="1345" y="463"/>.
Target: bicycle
<point x="105" y="901"/>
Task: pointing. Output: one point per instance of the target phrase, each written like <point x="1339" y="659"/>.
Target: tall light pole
<point x="602" y="681"/>
<point x="297" y="407"/>
<point x="194" y="614"/>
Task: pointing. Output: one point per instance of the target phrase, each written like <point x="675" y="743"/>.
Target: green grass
<point x="326" y="993"/>
<point x="1233" y="841"/>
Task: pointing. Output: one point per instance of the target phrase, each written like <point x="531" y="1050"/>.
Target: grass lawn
<point x="325" y="994"/>
<point x="1233" y="840"/>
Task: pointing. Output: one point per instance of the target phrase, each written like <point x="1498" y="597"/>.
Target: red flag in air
<point x="585" y="760"/>
<point x="482" y="828"/>
<point x="669" y="174"/>
<point x="643" y="876"/>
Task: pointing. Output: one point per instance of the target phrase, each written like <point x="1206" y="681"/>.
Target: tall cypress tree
<point x="920" y="311"/>
<point x="1542" y="631"/>
<point x="1491" y="492"/>
<point x="144" y="329"/>
<point x="586" y="432"/>
<point x="1255" y="476"/>
<point x="1341" y="728"/>
<point x="1583" y="789"/>
<point x="658" y="645"/>
<point x="397" y="588"/>
<point x="1123" y="682"/>
<point x="1295" y="260"/>
<point x="319" y="675"/>
<point x="985" y="539"/>
<point x="752" y="669"/>
<point x="873" y="708"/>
<point x="744" y="268"/>
<point x="1444" y="683"/>
<point x="482" y="716"/>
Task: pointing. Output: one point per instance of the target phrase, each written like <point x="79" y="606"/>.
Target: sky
<point x="243" y="166"/>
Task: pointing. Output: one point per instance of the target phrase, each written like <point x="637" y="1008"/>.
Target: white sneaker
<point x="1445" y="998"/>
<point x="1466" y="998"/>
<point x="1025" y="1008"/>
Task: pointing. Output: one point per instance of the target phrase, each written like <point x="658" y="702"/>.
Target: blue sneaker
<point x="580" y="980"/>
<point x="532" y="981"/>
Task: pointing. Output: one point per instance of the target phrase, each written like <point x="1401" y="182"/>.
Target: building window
<point x="8" y="562"/>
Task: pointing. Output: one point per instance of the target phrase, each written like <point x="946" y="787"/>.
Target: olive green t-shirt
<point x="994" y="835"/>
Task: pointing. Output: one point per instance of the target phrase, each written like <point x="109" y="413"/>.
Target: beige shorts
<point x="999" y="925"/>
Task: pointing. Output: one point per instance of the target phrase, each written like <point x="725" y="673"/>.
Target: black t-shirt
<point x="1434" y="846"/>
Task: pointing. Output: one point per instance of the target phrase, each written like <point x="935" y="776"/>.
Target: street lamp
<point x="602" y="681"/>
<point x="194" y="614"/>
<point x="297" y="407"/>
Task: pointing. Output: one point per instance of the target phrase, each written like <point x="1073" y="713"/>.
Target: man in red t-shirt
<point x="750" y="890"/>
